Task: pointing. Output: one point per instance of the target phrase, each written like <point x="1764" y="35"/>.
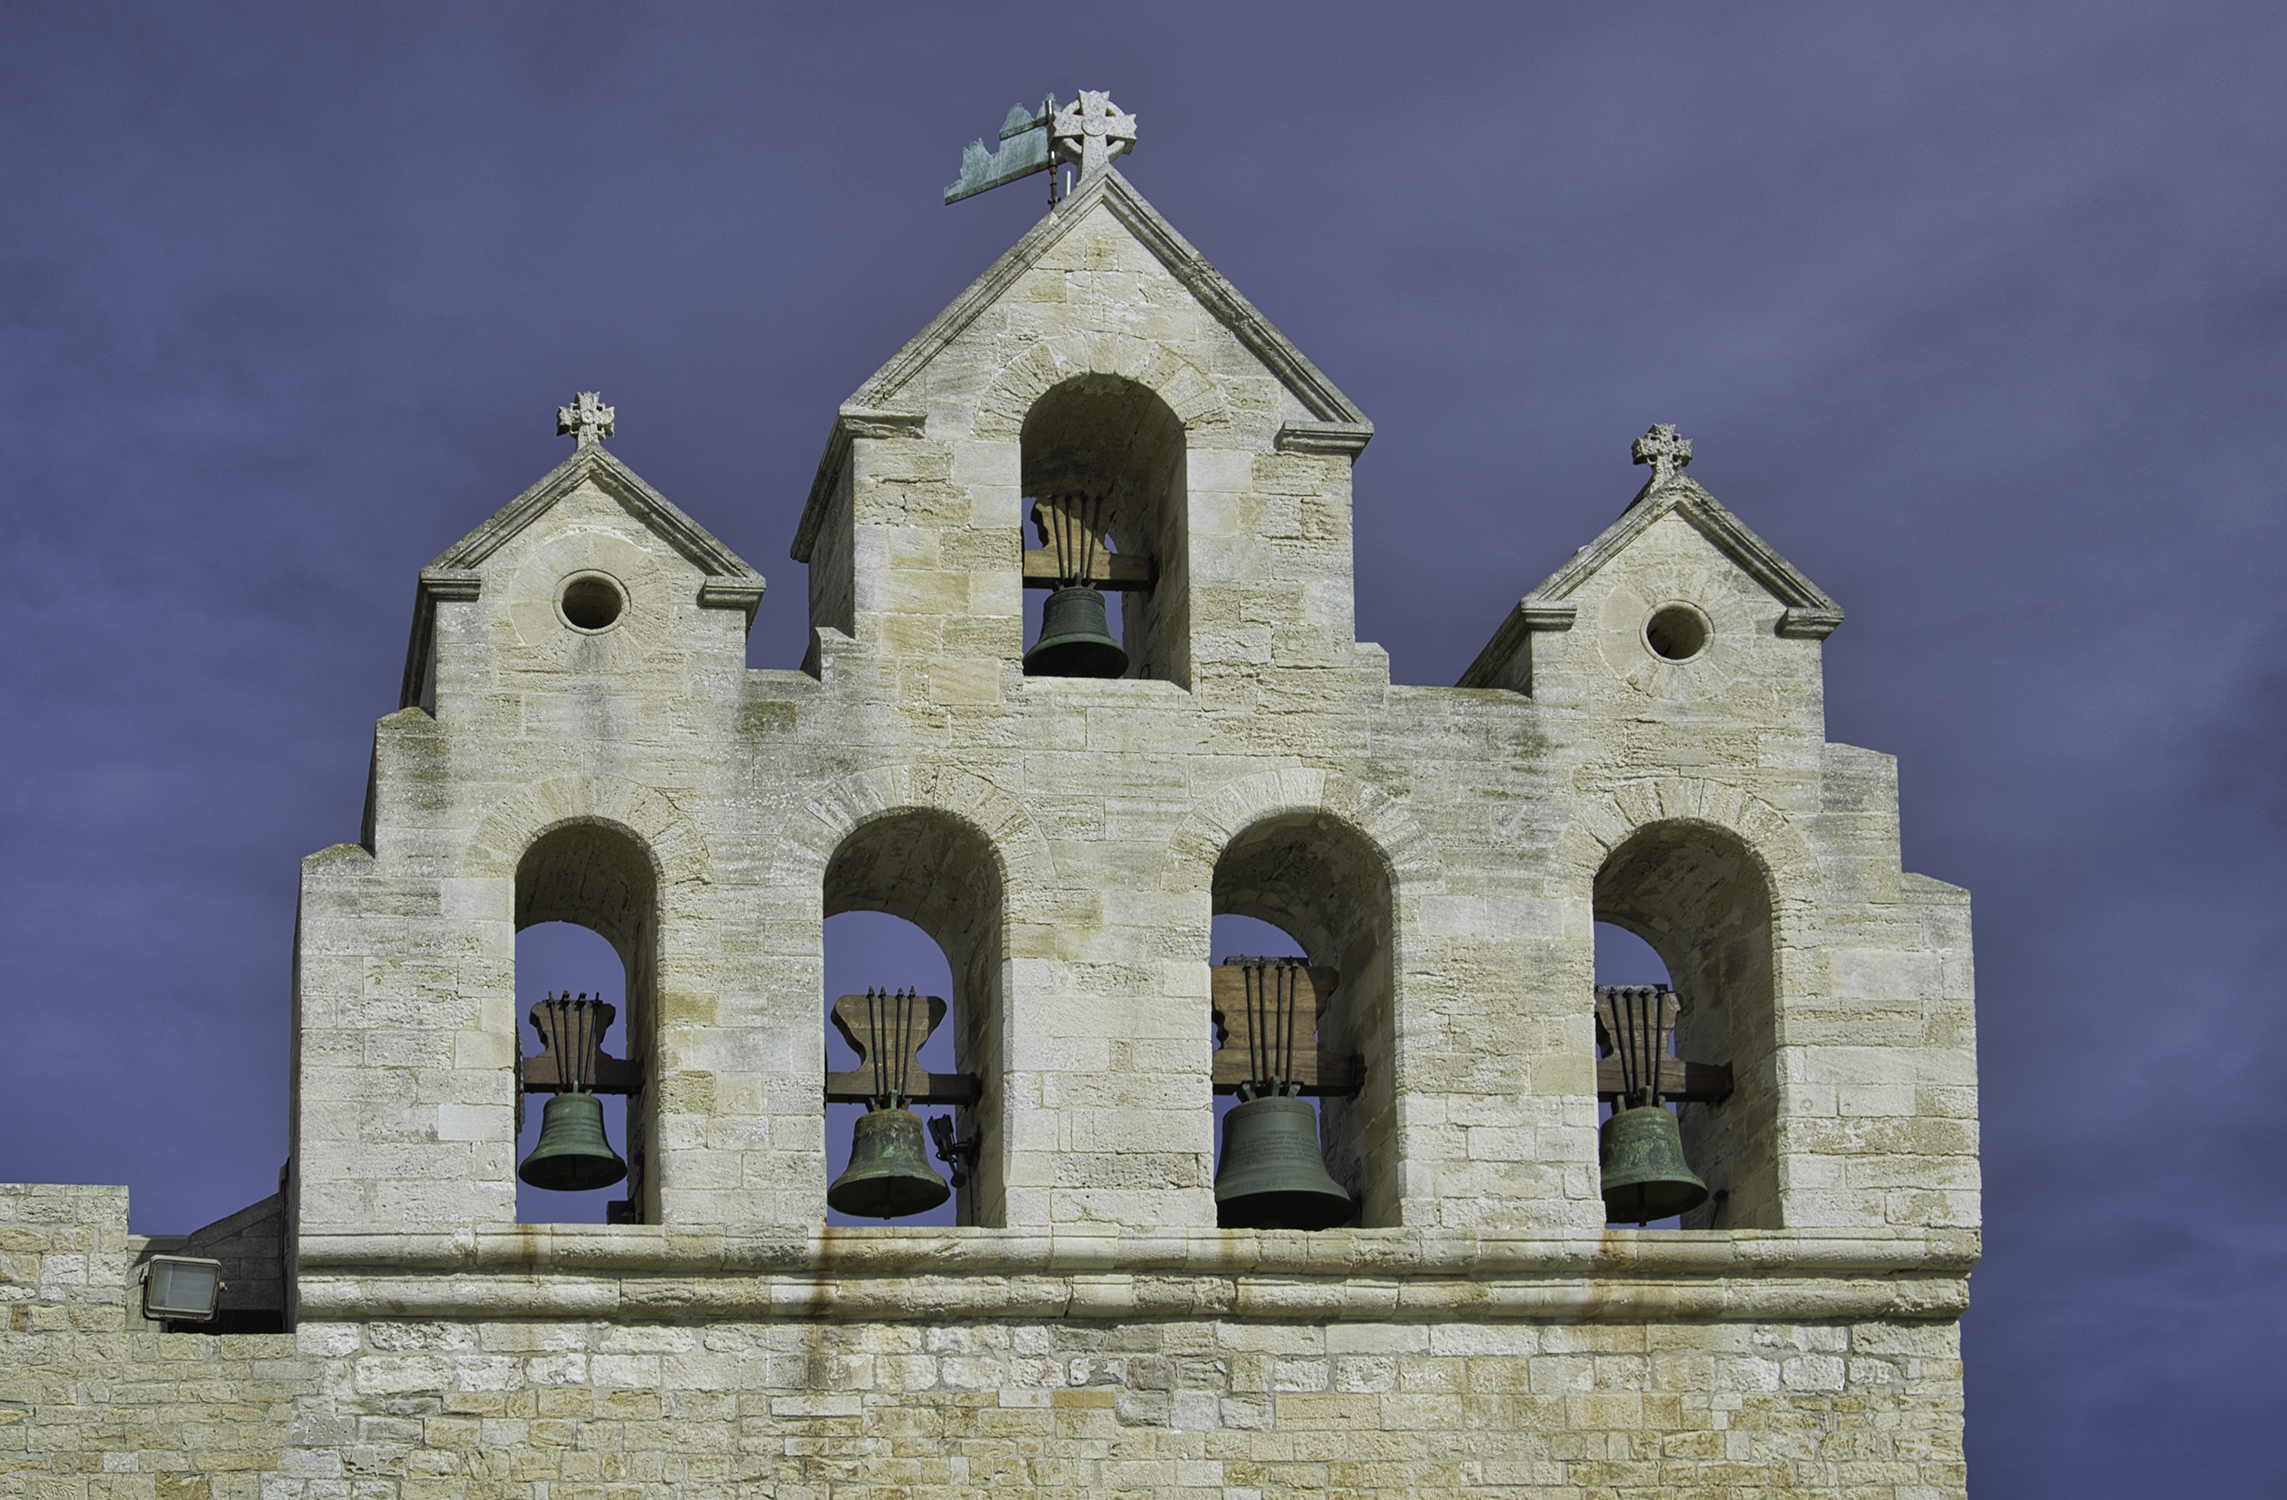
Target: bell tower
<point x="1727" y="1220"/>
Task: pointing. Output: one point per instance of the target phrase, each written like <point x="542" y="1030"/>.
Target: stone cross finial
<point x="587" y="419"/>
<point x="1091" y="131"/>
<point x="1664" y="451"/>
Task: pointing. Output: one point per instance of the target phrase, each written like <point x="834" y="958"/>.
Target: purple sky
<point x="1976" y="312"/>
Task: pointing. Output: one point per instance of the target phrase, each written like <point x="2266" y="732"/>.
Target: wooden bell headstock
<point x="887" y="1029"/>
<point x="1634" y="1024"/>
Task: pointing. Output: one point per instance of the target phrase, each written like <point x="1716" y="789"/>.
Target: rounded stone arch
<point x="1606" y="822"/>
<point x="955" y="855"/>
<point x="840" y="808"/>
<point x="1333" y="862"/>
<point x="1719" y="882"/>
<point x="1411" y="859"/>
<point x="1068" y="354"/>
<point x="677" y="849"/>
<point x="624" y="861"/>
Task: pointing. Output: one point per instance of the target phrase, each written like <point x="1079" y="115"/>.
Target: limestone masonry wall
<point x="94" y="1405"/>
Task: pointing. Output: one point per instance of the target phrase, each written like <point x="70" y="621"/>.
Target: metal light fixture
<point x="181" y="1288"/>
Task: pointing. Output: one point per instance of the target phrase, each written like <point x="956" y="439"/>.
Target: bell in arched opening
<point x="1640" y="1149"/>
<point x="1075" y="632"/>
<point x="573" y="1155"/>
<point x="889" y="1175"/>
<point x="1272" y="1174"/>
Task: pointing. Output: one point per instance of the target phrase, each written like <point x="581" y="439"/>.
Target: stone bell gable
<point x="1101" y="354"/>
<point x="579" y="740"/>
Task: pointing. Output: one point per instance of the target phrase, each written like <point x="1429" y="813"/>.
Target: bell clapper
<point x="957" y="1154"/>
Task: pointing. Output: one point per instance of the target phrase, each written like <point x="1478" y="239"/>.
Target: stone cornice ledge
<point x="649" y="1273"/>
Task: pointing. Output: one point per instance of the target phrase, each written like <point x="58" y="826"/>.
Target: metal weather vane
<point x="1087" y="133"/>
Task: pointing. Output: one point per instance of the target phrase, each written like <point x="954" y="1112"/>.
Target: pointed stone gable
<point x="456" y="574"/>
<point x="1809" y="612"/>
<point x="1328" y="422"/>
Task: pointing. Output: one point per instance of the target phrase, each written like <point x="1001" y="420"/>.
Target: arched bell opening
<point x="1105" y="508"/>
<point x="940" y="878"/>
<point x="587" y="925"/>
<point x="1700" y="899"/>
<point x="1324" y="887"/>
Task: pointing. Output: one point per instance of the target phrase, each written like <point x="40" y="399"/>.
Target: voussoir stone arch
<point x="842" y="807"/>
<point x="1410" y="856"/>
<point x="1189" y="391"/>
<point x="673" y="843"/>
<point x="1608" y="821"/>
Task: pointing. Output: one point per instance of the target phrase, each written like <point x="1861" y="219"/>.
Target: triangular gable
<point x="1809" y="612"/>
<point x="1172" y="250"/>
<point x="875" y="405"/>
<point x="729" y="584"/>
<point x="617" y="480"/>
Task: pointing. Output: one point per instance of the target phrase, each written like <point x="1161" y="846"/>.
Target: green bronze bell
<point x="1645" y="1177"/>
<point x="889" y="1175"/>
<point x="1273" y="1174"/>
<point x="573" y="1155"/>
<point x="1075" y="640"/>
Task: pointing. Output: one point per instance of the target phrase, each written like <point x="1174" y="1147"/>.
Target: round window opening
<point x="1677" y="632"/>
<point x="592" y="602"/>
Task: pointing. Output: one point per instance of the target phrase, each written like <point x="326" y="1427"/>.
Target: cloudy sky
<point x="1977" y="312"/>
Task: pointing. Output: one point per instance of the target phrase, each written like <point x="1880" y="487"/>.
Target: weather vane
<point x="1087" y="133"/>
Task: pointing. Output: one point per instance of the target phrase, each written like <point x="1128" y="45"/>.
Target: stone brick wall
<point x="96" y="1403"/>
<point x="1204" y="1407"/>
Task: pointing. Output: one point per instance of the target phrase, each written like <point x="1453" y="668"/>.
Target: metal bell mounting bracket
<point x="956" y="1154"/>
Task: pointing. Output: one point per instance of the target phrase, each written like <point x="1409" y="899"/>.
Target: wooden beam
<point x="1680" y="1082"/>
<point x="856" y="1087"/>
<point x="1113" y="570"/>
<point x="614" y="1075"/>
<point x="1321" y="1072"/>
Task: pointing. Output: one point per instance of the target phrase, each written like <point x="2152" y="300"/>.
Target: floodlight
<point x="181" y="1287"/>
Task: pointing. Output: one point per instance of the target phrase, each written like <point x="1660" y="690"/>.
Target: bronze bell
<point x="1645" y="1176"/>
<point x="889" y="1175"/>
<point x="1273" y="1174"/>
<point x="573" y="1155"/>
<point x="1075" y="640"/>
